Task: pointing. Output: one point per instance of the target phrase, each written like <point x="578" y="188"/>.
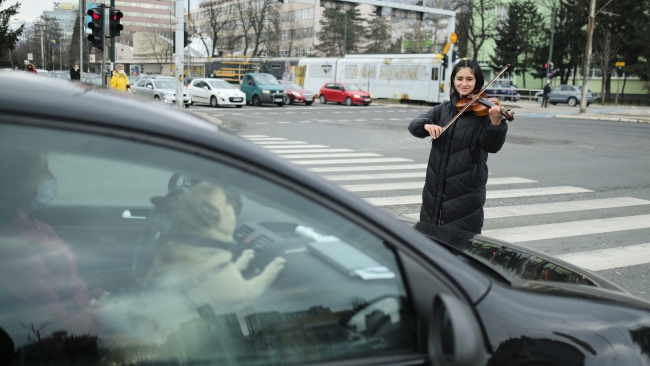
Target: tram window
<point x="434" y="73"/>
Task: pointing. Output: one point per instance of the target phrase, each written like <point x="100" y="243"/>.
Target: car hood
<point x="272" y="87"/>
<point x="301" y="91"/>
<point x="515" y="263"/>
<point x="359" y="92"/>
<point x="171" y="91"/>
<point x="229" y="92"/>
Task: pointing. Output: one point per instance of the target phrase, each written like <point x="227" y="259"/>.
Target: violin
<point x="480" y="101"/>
<point x="482" y="105"/>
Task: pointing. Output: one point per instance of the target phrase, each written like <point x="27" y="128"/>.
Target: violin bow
<point x="474" y="99"/>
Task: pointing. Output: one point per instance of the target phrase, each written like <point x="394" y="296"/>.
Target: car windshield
<point x="220" y="84"/>
<point x="265" y="79"/>
<point x="164" y="84"/>
<point x="352" y="87"/>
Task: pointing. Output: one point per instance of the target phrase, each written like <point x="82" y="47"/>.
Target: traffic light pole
<point x="105" y="20"/>
<point x="111" y="51"/>
<point x="179" y="64"/>
<point x="550" y="47"/>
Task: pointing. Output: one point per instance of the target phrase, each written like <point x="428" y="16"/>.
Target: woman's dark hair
<point x="16" y="166"/>
<point x="476" y="69"/>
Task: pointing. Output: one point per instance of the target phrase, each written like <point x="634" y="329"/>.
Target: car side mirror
<point x="455" y="337"/>
<point x="149" y="86"/>
<point x="206" y="88"/>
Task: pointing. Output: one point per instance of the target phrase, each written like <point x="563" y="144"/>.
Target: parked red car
<point x="295" y="93"/>
<point x="347" y="93"/>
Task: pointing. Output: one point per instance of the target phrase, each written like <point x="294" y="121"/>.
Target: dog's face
<point x="204" y="210"/>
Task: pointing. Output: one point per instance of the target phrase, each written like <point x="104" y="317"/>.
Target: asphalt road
<point x="573" y="188"/>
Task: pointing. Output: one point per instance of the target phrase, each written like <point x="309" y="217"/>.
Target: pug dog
<point x="195" y="259"/>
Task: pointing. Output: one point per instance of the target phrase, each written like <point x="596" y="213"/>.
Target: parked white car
<point x="160" y="89"/>
<point x="216" y="92"/>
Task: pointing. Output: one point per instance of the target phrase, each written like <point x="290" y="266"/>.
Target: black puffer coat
<point x="457" y="172"/>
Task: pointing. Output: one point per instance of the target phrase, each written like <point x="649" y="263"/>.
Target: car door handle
<point x="127" y="215"/>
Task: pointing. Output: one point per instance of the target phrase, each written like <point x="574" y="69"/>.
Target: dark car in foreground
<point x="569" y="94"/>
<point x="171" y="241"/>
<point x="295" y="93"/>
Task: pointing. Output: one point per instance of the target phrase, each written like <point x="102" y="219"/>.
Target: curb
<point x="602" y="118"/>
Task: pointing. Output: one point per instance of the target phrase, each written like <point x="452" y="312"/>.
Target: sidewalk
<point x="594" y="112"/>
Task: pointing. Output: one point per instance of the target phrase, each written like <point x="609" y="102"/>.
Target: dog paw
<point x="244" y="259"/>
<point x="274" y="268"/>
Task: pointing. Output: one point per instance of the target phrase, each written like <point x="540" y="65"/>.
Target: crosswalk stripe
<point x="284" y="151"/>
<point x="503" y="193"/>
<point x="375" y="176"/>
<point x="368" y="168"/>
<point x="311" y="156"/>
<point x="350" y="161"/>
<point x="266" y="139"/>
<point x="279" y="142"/>
<point x="383" y="186"/>
<point x="556" y="207"/>
<point x="294" y="146"/>
<point x="568" y="229"/>
<point x="250" y="136"/>
<point x="602" y="259"/>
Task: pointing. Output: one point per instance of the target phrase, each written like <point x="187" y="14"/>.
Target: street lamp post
<point x="550" y="47"/>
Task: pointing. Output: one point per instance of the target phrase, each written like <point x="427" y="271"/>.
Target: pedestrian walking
<point x="30" y="68"/>
<point x="546" y="95"/>
<point x="75" y="74"/>
<point x="454" y="190"/>
<point x="119" y="80"/>
<point x="288" y="75"/>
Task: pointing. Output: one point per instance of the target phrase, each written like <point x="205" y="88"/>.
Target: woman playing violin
<point x="454" y="190"/>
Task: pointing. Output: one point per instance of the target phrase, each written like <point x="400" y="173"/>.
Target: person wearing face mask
<point x="455" y="184"/>
<point x="75" y="74"/>
<point x="119" y="80"/>
<point x="39" y="283"/>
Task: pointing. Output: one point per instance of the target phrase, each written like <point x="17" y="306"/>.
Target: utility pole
<point x="179" y="64"/>
<point x="105" y="48"/>
<point x="111" y="50"/>
<point x="82" y="33"/>
<point x="586" y="67"/>
<point x="550" y="47"/>
<point x="42" y="51"/>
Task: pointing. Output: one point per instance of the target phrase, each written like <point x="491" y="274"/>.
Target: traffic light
<point x="114" y="26"/>
<point x="96" y="24"/>
<point x="186" y="38"/>
<point x="445" y="61"/>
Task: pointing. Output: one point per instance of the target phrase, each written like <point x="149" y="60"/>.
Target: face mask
<point x="76" y="68"/>
<point x="121" y="72"/>
<point x="46" y="192"/>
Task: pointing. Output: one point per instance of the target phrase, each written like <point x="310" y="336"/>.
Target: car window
<point x="556" y="88"/>
<point x="164" y="84"/>
<point x="220" y="84"/>
<point x="153" y="256"/>
<point x="330" y="86"/>
<point x="567" y="88"/>
<point x="149" y="84"/>
<point x="141" y="83"/>
<point x="265" y="79"/>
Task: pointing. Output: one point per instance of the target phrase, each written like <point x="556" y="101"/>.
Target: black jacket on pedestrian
<point x="546" y="90"/>
<point x="454" y="190"/>
<point x="75" y="74"/>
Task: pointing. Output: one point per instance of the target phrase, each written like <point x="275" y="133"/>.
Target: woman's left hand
<point x="495" y="115"/>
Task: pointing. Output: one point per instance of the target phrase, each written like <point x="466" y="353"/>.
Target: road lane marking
<point x="279" y="142"/>
<point x="368" y="168"/>
<point x="251" y="136"/>
<point x="265" y="139"/>
<point x="337" y="178"/>
<point x="350" y="161"/>
<point x="503" y="193"/>
<point x="289" y="151"/>
<point x="262" y="123"/>
<point x="383" y="186"/>
<point x="569" y="229"/>
<point x="293" y="146"/>
<point x="311" y="156"/>
<point x="602" y="259"/>
<point x="557" y="207"/>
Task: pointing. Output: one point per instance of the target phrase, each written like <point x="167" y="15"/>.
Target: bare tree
<point x="475" y="24"/>
<point x="281" y="32"/>
<point x="256" y="12"/>
<point x="606" y="50"/>
<point x="219" y="14"/>
<point x="154" y="44"/>
<point x="244" y="8"/>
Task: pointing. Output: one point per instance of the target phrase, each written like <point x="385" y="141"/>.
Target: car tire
<point x="239" y="106"/>
<point x="257" y="101"/>
<point x="287" y="99"/>
<point x="280" y="104"/>
<point x="348" y="101"/>
<point x="365" y="105"/>
<point x="156" y="98"/>
<point x="323" y="100"/>
<point x="309" y="103"/>
<point x="187" y="105"/>
<point x="554" y="103"/>
<point x="572" y="102"/>
<point x="214" y="103"/>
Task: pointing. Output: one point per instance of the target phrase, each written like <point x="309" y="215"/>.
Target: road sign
<point x="620" y="63"/>
<point x="30" y="56"/>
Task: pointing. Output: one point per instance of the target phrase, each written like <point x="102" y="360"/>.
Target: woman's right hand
<point x="433" y="130"/>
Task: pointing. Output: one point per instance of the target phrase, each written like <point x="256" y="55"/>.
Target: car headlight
<point x="357" y="96"/>
<point x="265" y="91"/>
<point x="296" y="94"/>
<point x="371" y="96"/>
<point x="222" y="94"/>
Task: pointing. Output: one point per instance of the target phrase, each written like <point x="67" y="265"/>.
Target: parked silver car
<point x="570" y="94"/>
<point x="161" y="90"/>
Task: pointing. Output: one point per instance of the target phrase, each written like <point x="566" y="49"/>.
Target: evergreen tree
<point x="334" y="24"/>
<point x="8" y="38"/>
<point x="378" y="35"/>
